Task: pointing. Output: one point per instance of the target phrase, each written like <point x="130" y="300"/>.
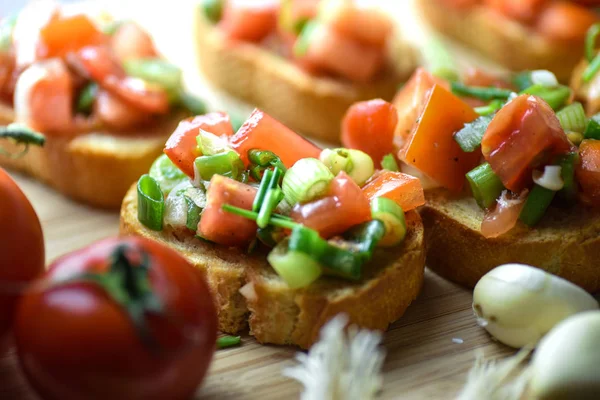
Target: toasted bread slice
<point x="566" y="242"/>
<point x="501" y="39"/>
<point x="94" y="168"/>
<point x="311" y="105"/>
<point x="280" y="315"/>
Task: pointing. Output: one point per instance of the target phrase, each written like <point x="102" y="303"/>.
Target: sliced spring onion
<point x="228" y="341"/>
<point x="556" y="96"/>
<point x="592" y="130"/>
<point x="166" y="173"/>
<point x="7" y="26"/>
<point x="491" y="108"/>
<point x="522" y="80"/>
<point x="213" y="9"/>
<point x="366" y="236"/>
<point x="590" y="41"/>
<point x="155" y="70"/>
<point x="485" y="185"/>
<point x="567" y="164"/>
<point x="389" y="162"/>
<point x="469" y="137"/>
<point x="308" y="179"/>
<point x="357" y="164"/>
<point x="279" y="221"/>
<point x="392" y="216"/>
<point x="306" y="36"/>
<point x="544" y="77"/>
<point x="297" y="269"/>
<point x="263" y="159"/>
<point x="228" y="164"/>
<point x="151" y="203"/>
<point x="110" y="28"/>
<point x="86" y="98"/>
<point x="537" y="203"/>
<point x="439" y="60"/>
<point x="549" y="178"/>
<point x="272" y="198"/>
<point x="572" y="117"/>
<point x="192" y="103"/>
<point x="480" y="92"/>
<point x="592" y="69"/>
<point x="210" y="144"/>
<point x="193" y="214"/>
<point x="575" y="137"/>
<point x="22" y="134"/>
<point x="265" y="184"/>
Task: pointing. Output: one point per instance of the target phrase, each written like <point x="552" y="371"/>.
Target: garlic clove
<point x="566" y="362"/>
<point x="518" y="304"/>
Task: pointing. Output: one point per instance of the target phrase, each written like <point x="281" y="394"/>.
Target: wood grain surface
<point x="424" y="357"/>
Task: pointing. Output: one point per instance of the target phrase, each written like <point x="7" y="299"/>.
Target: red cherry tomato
<point x="249" y="20"/>
<point x="121" y="319"/>
<point x="369" y="126"/>
<point x="588" y="172"/>
<point x="524" y="134"/>
<point x="21" y="248"/>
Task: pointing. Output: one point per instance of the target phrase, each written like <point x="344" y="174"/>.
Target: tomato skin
<point x="90" y="349"/>
<point x="243" y="20"/>
<point x="564" y="21"/>
<point x="345" y="206"/>
<point x="66" y="34"/>
<point x="524" y="134"/>
<point x="404" y="189"/>
<point x="503" y="217"/>
<point x="588" y="172"/>
<point x="22" y="253"/>
<point x="369" y="126"/>
<point x="181" y="145"/>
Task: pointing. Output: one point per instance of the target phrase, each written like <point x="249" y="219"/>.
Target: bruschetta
<point x="303" y="61"/>
<point x="514" y="179"/>
<point x="99" y="92"/>
<point x="289" y="235"/>
<point x="519" y="34"/>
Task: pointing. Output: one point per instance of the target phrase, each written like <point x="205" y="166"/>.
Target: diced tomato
<point x="404" y="189"/>
<point x="521" y="10"/>
<point x="181" y="148"/>
<point x="432" y="148"/>
<point x="131" y="41"/>
<point x="148" y="98"/>
<point x="66" y="34"/>
<point x="220" y="226"/>
<point x="503" y="218"/>
<point x="343" y="56"/>
<point x="523" y="135"/>
<point x="97" y="63"/>
<point x="561" y="20"/>
<point x="366" y="24"/>
<point x="410" y="100"/>
<point x="263" y="132"/>
<point x="588" y="172"/>
<point x="345" y="206"/>
<point x="369" y="126"/>
<point x="249" y="20"/>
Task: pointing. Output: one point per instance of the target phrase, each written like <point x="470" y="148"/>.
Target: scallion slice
<point x="568" y="164"/>
<point x="357" y="164"/>
<point x="590" y="41"/>
<point x="210" y="144"/>
<point x="157" y="71"/>
<point x="389" y="162"/>
<point x="522" y="80"/>
<point x="213" y="9"/>
<point x="469" y="137"/>
<point x="572" y="118"/>
<point x="537" y="203"/>
<point x="228" y="164"/>
<point x="86" y="98"/>
<point x="392" y="216"/>
<point x="305" y="38"/>
<point x="193" y="214"/>
<point x="591" y="70"/>
<point x="166" y="173"/>
<point x="480" y="92"/>
<point x="308" y="179"/>
<point x="439" y="60"/>
<point x="556" y="96"/>
<point x="151" y="203"/>
<point x="491" y="108"/>
<point x="592" y="130"/>
<point x="296" y="268"/>
<point x="485" y="185"/>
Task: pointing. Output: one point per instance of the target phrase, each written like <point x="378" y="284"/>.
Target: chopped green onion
<point x="591" y="69"/>
<point x="213" y="9"/>
<point x="157" y="71"/>
<point x="228" y="341"/>
<point x="556" y="96"/>
<point x="265" y="185"/>
<point x="590" y="41"/>
<point x="210" y="144"/>
<point x="544" y="77"/>
<point x="469" y="137"/>
<point x="575" y="137"/>
<point x="272" y="198"/>
<point x="439" y="60"/>
<point x="389" y="162"/>
<point x="592" y="130"/>
<point x="304" y="40"/>
<point x="228" y="164"/>
<point x="308" y="179"/>
<point x="86" y="98"/>
<point x="296" y="268"/>
<point x="366" y="235"/>
<point x="280" y="221"/>
<point x="491" y="108"/>
<point x="479" y="92"/>
<point x="166" y="173"/>
<point x="193" y="214"/>
<point x="265" y="158"/>
<point x="537" y="203"/>
<point x="485" y="185"/>
<point x="522" y="80"/>
<point x="7" y="26"/>
<point x="111" y="27"/>
<point x="151" y="203"/>
<point x="392" y="216"/>
<point x="568" y="164"/>
<point x="269" y="236"/>
<point x="22" y="134"/>
<point x="572" y="117"/>
<point x="192" y="103"/>
<point x="357" y="164"/>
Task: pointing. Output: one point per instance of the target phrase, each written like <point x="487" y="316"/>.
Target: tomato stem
<point x="20" y="134"/>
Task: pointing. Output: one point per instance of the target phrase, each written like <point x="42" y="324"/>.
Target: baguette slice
<point x="501" y="39"/>
<point x="307" y="104"/>
<point x="566" y="242"/>
<point x="94" y="168"/>
<point x="280" y="315"/>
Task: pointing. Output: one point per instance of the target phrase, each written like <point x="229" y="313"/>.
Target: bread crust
<point x="280" y="315"/>
<point x="501" y="39"/>
<point x="307" y="104"/>
<point x="566" y="242"/>
<point x="94" y="168"/>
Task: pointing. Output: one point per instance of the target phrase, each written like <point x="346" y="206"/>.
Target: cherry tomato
<point x="524" y="134"/>
<point x="588" y="172"/>
<point x="121" y="319"/>
<point x="369" y="126"/>
<point x="562" y="20"/>
<point x="63" y="35"/>
<point x="22" y="256"/>
<point x="345" y="206"/>
<point x="404" y="189"/>
<point x="249" y="20"/>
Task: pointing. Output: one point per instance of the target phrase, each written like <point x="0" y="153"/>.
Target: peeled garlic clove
<point x="566" y="364"/>
<point x="518" y="304"/>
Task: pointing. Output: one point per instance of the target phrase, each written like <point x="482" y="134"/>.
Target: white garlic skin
<point x="566" y="364"/>
<point x="518" y="304"/>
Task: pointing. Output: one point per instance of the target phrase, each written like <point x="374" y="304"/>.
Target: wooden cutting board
<point x="429" y="350"/>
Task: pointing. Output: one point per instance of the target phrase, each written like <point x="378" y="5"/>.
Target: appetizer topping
<point x="308" y="179"/>
<point x="357" y="164"/>
<point x="550" y="178"/>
